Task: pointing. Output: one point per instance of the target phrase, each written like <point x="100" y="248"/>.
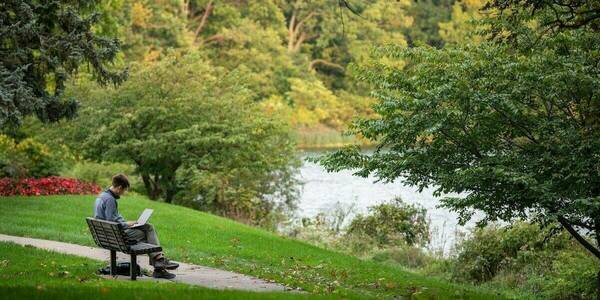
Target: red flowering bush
<point x="46" y="186"/>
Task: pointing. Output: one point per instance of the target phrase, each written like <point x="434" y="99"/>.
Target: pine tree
<point x="42" y="43"/>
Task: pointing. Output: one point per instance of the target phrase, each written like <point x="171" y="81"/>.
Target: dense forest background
<point x="294" y="55"/>
<point x="208" y="101"/>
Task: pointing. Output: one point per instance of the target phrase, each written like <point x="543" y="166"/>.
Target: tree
<point x="195" y="138"/>
<point x="258" y="52"/>
<point x="43" y="43"/>
<point x="553" y="14"/>
<point x="517" y="133"/>
<point x="462" y="27"/>
<point x="427" y="15"/>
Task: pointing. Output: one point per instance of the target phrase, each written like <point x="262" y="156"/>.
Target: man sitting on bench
<point x="107" y="208"/>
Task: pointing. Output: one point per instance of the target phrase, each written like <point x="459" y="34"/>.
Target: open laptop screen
<point x="144" y="217"/>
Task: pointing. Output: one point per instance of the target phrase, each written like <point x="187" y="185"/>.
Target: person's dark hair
<point x="120" y="180"/>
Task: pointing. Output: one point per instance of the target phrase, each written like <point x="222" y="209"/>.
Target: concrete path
<point x="186" y="273"/>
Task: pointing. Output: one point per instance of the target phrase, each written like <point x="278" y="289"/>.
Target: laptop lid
<point x="144" y="216"/>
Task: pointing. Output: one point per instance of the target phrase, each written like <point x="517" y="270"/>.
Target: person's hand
<point x="131" y="223"/>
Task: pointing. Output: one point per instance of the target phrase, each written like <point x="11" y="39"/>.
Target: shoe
<point x="162" y="273"/>
<point x="164" y="263"/>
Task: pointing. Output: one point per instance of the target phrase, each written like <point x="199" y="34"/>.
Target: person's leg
<point x="135" y="235"/>
<point x="147" y="234"/>
<point x="152" y="238"/>
<point x="158" y="259"/>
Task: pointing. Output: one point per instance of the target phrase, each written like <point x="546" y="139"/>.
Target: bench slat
<point x="109" y="235"/>
<point x="141" y="248"/>
<point x="113" y="243"/>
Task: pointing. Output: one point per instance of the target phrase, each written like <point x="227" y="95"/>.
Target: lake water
<point x="322" y="190"/>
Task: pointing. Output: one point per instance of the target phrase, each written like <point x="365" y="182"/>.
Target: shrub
<point x="46" y="186"/>
<point x="543" y="261"/>
<point x="406" y="256"/>
<point x="9" y="158"/>
<point x="101" y="173"/>
<point x="481" y="256"/>
<point x="393" y="223"/>
<point x="572" y="276"/>
<point x="30" y="158"/>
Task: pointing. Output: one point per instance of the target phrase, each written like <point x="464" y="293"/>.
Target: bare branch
<point x="316" y="62"/>
<point x="207" y="11"/>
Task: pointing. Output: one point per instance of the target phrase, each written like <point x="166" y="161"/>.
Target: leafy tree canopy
<point x="515" y="131"/>
<point x="42" y="44"/>
<point x="194" y="135"/>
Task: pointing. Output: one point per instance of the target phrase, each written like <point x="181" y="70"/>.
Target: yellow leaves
<point x="461" y="28"/>
<point x="477" y="4"/>
<point x="152" y="55"/>
<point x="34" y="150"/>
<point x="6" y="144"/>
<point x="313" y="103"/>
<point x="304" y="117"/>
<point x="140" y="15"/>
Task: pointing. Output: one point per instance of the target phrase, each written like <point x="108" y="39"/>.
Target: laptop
<point x="143" y="218"/>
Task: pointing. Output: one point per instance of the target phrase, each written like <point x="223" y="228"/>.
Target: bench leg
<point x="133" y="267"/>
<point x="113" y="262"/>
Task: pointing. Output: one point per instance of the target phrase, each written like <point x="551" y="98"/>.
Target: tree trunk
<point x="296" y="35"/>
<point x="203" y="19"/>
<point x="328" y="64"/>
<point x="587" y="245"/>
<point x="291" y="32"/>
<point x="151" y="186"/>
<point x="170" y="188"/>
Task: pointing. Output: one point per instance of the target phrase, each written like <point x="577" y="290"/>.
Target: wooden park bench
<point x="109" y="235"/>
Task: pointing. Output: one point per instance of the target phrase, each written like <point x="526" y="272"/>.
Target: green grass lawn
<point x="30" y="273"/>
<point x="200" y="238"/>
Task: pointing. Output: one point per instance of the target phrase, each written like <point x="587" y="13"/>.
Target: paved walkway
<point x="186" y="273"/>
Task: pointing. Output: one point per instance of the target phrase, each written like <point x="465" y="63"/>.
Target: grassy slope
<point x="201" y="238"/>
<point x="30" y="273"/>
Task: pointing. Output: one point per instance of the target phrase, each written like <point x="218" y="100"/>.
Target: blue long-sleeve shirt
<point x="107" y="208"/>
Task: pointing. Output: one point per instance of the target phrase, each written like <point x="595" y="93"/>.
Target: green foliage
<point x="257" y="52"/>
<point x="427" y="15"/>
<point x="314" y="104"/>
<point x="152" y="27"/>
<point x="573" y="275"/>
<point x="527" y="257"/>
<point x="393" y="223"/>
<point x="101" y="173"/>
<point x="30" y="158"/>
<point x="43" y="43"/>
<point x="455" y="119"/>
<point x="490" y="249"/>
<point x="514" y="19"/>
<point x="407" y="256"/>
<point x="195" y="138"/>
<point x="463" y="25"/>
<point x="391" y="232"/>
